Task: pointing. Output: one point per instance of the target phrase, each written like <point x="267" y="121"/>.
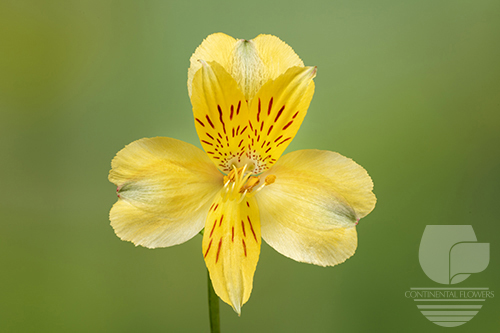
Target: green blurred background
<point x="408" y="89"/>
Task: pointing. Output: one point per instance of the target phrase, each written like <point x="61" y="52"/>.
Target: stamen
<point x="239" y="183"/>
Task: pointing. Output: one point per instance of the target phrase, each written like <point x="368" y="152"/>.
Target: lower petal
<point x="310" y="212"/>
<point x="165" y="188"/>
<point x="231" y="248"/>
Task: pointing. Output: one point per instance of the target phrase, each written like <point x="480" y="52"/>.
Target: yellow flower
<point x="249" y="99"/>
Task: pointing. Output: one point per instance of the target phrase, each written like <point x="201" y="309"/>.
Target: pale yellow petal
<point x="276" y="56"/>
<point x="165" y="188"/>
<point x="250" y="62"/>
<point x="221" y="115"/>
<point x="217" y="47"/>
<point x="231" y="248"/>
<point x="276" y="113"/>
<point x="310" y="211"/>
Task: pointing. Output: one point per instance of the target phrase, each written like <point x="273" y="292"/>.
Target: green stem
<point x="213" y="307"/>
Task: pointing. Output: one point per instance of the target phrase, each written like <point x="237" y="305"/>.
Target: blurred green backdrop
<point x="408" y="89"/>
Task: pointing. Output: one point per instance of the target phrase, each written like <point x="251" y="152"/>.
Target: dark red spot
<point x="208" y="248"/>
<point x="211" y="137"/>
<point x="244" y="129"/>
<point x="248" y="204"/>
<point x="270" y="106"/>
<point x="232" y="111"/>
<point x="251" y="227"/>
<point x="216" y="206"/>
<point x="283" y="141"/>
<point x="268" y="149"/>
<point x="198" y="120"/>
<point x="295" y="115"/>
<point x="233" y="132"/>
<point x="279" y="113"/>
<point x="213" y="228"/>
<point x="243" y="228"/>
<point x="209" y="121"/>
<point x="218" y="251"/>
<point x="221" y="218"/>
<point x="251" y="127"/>
<point x="279" y="137"/>
<point x="210" y="152"/>
<point x="261" y="126"/>
<point x="258" y="112"/>
<point x="220" y="119"/>
<point x="240" y="143"/>
<point x="244" y="247"/>
<point x="208" y="143"/>
<point x="238" y="108"/>
<point x="270" y="129"/>
<point x="287" y="125"/>
<point x="232" y="234"/>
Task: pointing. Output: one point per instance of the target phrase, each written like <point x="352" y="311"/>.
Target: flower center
<point x="240" y="183"/>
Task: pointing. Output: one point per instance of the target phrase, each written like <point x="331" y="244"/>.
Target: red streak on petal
<point x="270" y="129"/>
<point x="287" y="125"/>
<point x="251" y="227"/>
<point x="243" y="228"/>
<point x="270" y="106"/>
<point x="244" y="247"/>
<point x="283" y="141"/>
<point x="199" y="121"/>
<point x="258" y="112"/>
<point x="279" y="113"/>
<point x="232" y="234"/>
<point x="208" y="248"/>
<point x="210" y="121"/>
<point x="213" y="228"/>
<point x="218" y="251"/>
<point x="221" y="218"/>
<point x="238" y="108"/>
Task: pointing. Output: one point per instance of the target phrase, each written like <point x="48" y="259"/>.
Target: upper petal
<point x="165" y="188"/>
<point x="309" y="213"/>
<point x="221" y="115"/>
<point x="276" y="113"/>
<point x="250" y="62"/>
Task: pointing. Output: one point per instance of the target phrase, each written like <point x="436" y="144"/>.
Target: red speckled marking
<point x="251" y="227"/>
<point x="199" y="121"/>
<point x="210" y="121"/>
<point x="208" y="248"/>
<point x="218" y="251"/>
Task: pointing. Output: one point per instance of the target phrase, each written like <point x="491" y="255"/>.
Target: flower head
<point x="249" y="99"/>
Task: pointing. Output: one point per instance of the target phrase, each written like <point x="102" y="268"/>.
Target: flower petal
<point x="250" y="62"/>
<point x="217" y="47"/>
<point x="277" y="112"/>
<point x="309" y="213"/>
<point x="221" y="115"/>
<point x="165" y="188"/>
<point x="231" y="248"/>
